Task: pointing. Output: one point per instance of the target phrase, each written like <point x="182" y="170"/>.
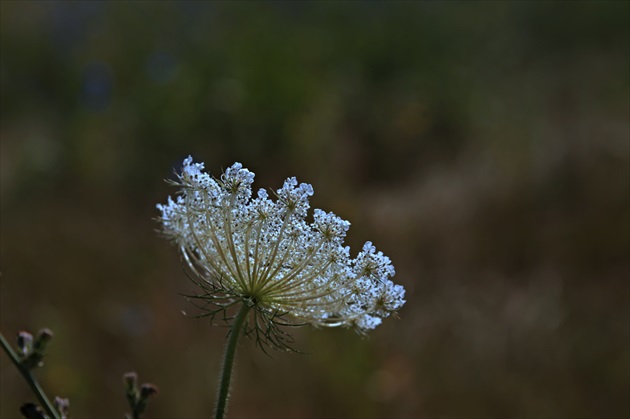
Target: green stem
<point x="32" y="382"/>
<point x="228" y="361"/>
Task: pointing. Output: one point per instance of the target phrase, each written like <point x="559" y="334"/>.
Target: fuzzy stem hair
<point x="228" y="362"/>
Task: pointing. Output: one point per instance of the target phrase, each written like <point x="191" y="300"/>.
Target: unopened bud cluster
<point x="264" y="253"/>
<point x="31" y="351"/>
<point x="138" y="398"/>
<point x="63" y="406"/>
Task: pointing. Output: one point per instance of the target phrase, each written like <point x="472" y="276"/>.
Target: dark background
<point x="483" y="146"/>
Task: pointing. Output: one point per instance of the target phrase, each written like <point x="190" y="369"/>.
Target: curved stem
<point x="32" y="382"/>
<point x="228" y="361"/>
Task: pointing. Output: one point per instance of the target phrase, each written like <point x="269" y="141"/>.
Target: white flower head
<point x="265" y="254"/>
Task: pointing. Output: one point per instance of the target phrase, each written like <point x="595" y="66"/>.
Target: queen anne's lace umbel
<point x="263" y="253"/>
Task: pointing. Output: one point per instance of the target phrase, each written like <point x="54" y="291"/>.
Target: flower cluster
<point x="263" y="253"/>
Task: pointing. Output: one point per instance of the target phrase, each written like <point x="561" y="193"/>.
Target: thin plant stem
<point x="32" y="382"/>
<point x="228" y="362"/>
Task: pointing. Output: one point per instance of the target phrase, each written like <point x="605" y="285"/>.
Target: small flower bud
<point x="33" y="356"/>
<point x="32" y="411"/>
<point x="43" y="337"/>
<point x="147" y="390"/>
<point x="130" y="379"/>
<point x="62" y="405"/>
<point x="25" y="343"/>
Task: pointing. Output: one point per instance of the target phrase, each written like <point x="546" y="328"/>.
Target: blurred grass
<point x="483" y="146"/>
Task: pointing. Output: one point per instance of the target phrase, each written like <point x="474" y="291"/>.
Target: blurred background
<point x="483" y="146"/>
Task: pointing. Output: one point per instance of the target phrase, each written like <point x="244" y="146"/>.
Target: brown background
<point x="483" y="146"/>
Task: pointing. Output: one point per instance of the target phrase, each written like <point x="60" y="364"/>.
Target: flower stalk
<point x="228" y="362"/>
<point x="31" y="381"/>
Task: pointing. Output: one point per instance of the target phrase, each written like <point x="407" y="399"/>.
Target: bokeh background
<point x="483" y="146"/>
